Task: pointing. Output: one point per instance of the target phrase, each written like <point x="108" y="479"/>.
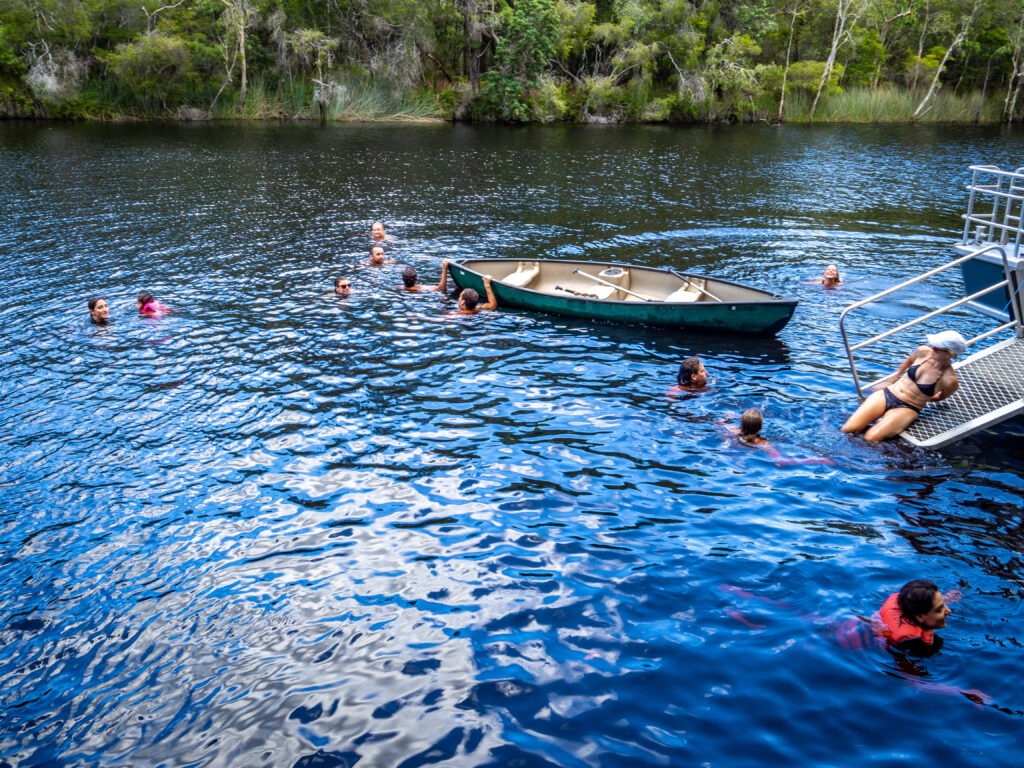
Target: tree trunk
<point x="965" y="26"/>
<point x="473" y="45"/>
<point x="789" y="50"/>
<point x="241" y="54"/>
<point x="838" y="34"/>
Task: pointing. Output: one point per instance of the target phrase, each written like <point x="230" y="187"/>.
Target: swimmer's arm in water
<point x="492" y="302"/>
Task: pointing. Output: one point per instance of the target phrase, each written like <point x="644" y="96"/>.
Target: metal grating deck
<point x="991" y="390"/>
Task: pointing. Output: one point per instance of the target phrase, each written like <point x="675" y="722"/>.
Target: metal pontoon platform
<point x="992" y="380"/>
<point x="991" y="391"/>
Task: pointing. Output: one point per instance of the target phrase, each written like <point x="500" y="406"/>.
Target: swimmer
<point x="410" y="281"/>
<point x="377" y="257"/>
<point x="750" y="427"/>
<point x="147" y="305"/>
<point x="926" y="376"/>
<point x="908" y="618"/>
<point x="342" y="287"/>
<point x="692" y="374"/>
<point x="99" y="312"/>
<point x="377" y="233"/>
<point x="469" y="300"/>
<point x="830" y="279"/>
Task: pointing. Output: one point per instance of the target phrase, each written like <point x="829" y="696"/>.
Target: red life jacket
<point x="896" y="628"/>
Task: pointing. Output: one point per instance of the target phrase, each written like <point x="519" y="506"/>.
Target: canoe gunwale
<point x="771" y="298"/>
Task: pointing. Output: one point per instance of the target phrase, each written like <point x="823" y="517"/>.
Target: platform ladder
<point x="995" y="208"/>
<point x="991" y="380"/>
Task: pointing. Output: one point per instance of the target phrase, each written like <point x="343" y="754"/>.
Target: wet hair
<point x="470" y="298"/>
<point x="409" y="277"/>
<point x="94" y="301"/>
<point x="689" y="368"/>
<point x="144" y="298"/>
<point x="751" y="422"/>
<point x="339" y="280"/>
<point x="916" y="597"/>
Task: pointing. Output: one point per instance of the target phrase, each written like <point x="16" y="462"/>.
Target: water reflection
<point x="286" y="528"/>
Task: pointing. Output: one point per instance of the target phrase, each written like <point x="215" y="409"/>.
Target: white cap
<point x="950" y="340"/>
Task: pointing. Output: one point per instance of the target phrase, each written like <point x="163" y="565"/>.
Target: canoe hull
<point x="760" y="316"/>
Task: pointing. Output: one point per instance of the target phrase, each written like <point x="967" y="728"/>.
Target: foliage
<point x="516" y="60"/>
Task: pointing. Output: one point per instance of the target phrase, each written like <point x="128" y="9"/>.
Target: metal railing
<point x="1004" y="223"/>
<point x="1016" y="313"/>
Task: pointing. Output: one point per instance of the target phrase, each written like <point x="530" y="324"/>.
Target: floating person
<point x="99" y="312"/>
<point x="692" y="374"/>
<point x="749" y="433"/>
<point x="908" y="618"/>
<point x="147" y="305"/>
<point x="377" y="258"/>
<point x="411" y="281"/>
<point x="751" y="423"/>
<point x="342" y="287"/>
<point x="377" y="233"/>
<point x="830" y="279"/>
<point x="926" y="376"/>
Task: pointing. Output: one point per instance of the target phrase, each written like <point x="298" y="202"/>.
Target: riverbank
<point x="360" y="100"/>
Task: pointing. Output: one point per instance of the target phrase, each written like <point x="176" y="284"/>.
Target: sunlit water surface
<point x="277" y="528"/>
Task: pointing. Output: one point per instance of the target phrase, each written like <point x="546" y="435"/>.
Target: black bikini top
<point x="927" y="390"/>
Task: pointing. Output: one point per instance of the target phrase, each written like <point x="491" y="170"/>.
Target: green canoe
<point x="621" y="293"/>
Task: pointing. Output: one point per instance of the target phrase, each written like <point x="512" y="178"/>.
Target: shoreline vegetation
<point x="515" y="61"/>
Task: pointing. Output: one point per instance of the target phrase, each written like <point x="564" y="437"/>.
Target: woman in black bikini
<point x="898" y="399"/>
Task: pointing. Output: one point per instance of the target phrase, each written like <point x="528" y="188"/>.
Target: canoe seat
<point x="524" y="275"/>
<point x="683" y="294"/>
<point x="603" y="291"/>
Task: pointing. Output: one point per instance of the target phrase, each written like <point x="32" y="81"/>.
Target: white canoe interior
<point x="611" y="283"/>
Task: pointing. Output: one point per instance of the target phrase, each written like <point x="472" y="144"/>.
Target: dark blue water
<point x="278" y="528"/>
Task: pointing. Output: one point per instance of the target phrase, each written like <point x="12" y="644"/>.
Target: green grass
<point x="891" y="105"/>
<point x="352" y="100"/>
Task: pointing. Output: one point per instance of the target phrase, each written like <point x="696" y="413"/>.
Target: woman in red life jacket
<point x="909" y="618"/>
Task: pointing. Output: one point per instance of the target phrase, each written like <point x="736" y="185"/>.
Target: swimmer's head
<point x="922" y="604"/>
<point x="468" y="299"/>
<point x="692" y="373"/>
<point x="377" y="256"/>
<point x="409" y="277"/>
<point x="377" y="231"/>
<point x="143" y="299"/>
<point x="98" y="310"/>
<point x="831" y="273"/>
<point x="342" y="286"/>
<point x="751" y="422"/>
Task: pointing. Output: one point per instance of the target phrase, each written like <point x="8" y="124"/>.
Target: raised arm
<point x="443" y="285"/>
<point x="492" y="302"/>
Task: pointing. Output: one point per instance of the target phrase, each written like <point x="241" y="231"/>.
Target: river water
<point x="277" y="528"/>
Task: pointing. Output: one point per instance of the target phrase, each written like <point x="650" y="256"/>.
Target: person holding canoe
<point x="411" y="281"/>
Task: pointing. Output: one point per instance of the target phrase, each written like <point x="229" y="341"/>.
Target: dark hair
<point x="689" y="368"/>
<point x="470" y="298"/>
<point x="94" y="301"/>
<point x="144" y="298"/>
<point x="916" y="597"/>
<point x="337" y="281"/>
<point x="751" y="422"/>
<point x="409" y="277"/>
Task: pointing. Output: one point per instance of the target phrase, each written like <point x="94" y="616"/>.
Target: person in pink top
<point x="147" y="305"/>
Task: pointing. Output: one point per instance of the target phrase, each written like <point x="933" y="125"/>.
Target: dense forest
<point x="514" y="60"/>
